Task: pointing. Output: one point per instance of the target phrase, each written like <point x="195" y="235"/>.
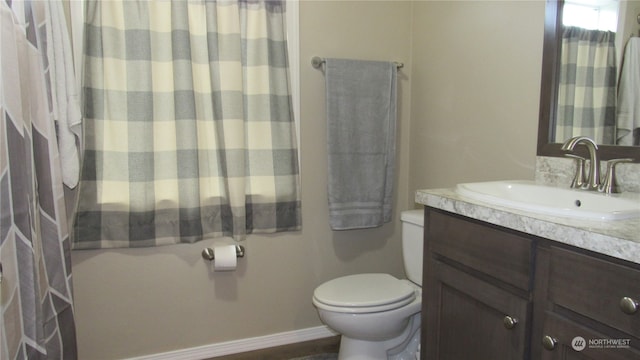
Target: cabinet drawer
<point x="594" y="288"/>
<point x="499" y="253"/>
<point x="564" y="331"/>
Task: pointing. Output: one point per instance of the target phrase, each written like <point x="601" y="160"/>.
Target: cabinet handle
<point x="509" y="322"/>
<point x="629" y="305"/>
<point x="549" y="343"/>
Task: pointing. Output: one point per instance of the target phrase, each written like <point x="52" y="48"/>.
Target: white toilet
<point x="377" y="314"/>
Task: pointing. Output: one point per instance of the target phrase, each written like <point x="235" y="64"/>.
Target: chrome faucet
<point x="579" y="177"/>
<point x="609" y="185"/>
<point x="593" y="180"/>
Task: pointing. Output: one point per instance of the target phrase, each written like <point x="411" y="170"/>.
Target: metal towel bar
<point x="317" y="62"/>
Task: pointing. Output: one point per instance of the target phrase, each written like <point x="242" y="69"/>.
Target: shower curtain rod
<point x="317" y="62"/>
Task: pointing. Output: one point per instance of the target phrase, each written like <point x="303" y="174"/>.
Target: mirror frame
<point x="548" y="96"/>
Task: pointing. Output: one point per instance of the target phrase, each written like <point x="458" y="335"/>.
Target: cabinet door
<point x="567" y="340"/>
<point x="466" y="317"/>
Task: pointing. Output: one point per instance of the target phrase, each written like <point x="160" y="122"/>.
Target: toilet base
<point x="353" y="349"/>
<point x="403" y="347"/>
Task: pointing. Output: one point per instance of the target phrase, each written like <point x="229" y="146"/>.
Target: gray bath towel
<point x="361" y="124"/>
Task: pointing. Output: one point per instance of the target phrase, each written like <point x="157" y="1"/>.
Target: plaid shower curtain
<point x="36" y="306"/>
<point x="189" y="130"/>
<point x="587" y="86"/>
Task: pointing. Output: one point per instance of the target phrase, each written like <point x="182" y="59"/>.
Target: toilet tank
<point x="412" y="243"/>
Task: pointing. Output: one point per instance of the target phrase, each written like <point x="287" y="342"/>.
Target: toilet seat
<point x="363" y="293"/>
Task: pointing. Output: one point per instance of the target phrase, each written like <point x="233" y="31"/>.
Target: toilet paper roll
<point x="225" y="258"/>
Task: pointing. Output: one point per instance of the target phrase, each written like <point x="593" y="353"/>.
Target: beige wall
<point x="475" y="94"/>
<point x="468" y="98"/>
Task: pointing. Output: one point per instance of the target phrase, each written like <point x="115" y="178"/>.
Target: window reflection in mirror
<point x="601" y="15"/>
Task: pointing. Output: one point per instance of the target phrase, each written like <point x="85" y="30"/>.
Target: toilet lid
<point x="364" y="291"/>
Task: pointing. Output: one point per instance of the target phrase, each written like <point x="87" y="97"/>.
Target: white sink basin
<point x="547" y="200"/>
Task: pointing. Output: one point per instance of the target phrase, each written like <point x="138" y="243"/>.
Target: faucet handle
<point x="579" y="177"/>
<point x="609" y="185"/>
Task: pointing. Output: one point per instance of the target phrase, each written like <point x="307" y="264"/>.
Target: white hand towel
<point x="628" y="109"/>
<point x="66" y="104"/>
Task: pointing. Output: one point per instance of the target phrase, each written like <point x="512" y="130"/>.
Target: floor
<point x="320" y="349"/>
<point x="318" y="357"/>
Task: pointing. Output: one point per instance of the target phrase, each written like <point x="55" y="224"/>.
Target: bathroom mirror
<point x="549" y="92"/>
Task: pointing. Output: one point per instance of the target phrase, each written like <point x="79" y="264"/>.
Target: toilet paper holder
<point x="208" y="253"/>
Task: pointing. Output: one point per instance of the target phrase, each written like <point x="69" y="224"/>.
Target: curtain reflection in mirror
<point x="587" y="85"/>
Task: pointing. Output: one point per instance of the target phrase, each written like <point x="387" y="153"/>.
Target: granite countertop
<point x="620" y="238"/>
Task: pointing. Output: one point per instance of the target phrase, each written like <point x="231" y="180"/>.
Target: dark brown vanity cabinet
<point x="494" y="293"/>
<point x="477" y="294"/>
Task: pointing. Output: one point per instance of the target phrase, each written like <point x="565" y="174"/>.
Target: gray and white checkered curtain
<point x="587" y="85"/>
<point x="189" y="130"/>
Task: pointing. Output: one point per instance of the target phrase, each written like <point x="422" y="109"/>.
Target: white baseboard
<point x="243" y="345"/>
